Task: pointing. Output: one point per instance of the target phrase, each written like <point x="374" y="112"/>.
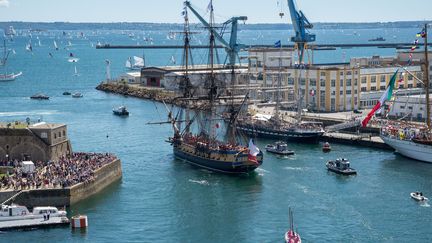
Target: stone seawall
<point x="104" y="176"/>
<point x="137" y="91"/>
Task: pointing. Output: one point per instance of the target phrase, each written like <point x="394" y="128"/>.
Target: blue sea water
<point x="161" y="199"/>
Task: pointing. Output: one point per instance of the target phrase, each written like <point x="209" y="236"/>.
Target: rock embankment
<point x="138" y="91"/>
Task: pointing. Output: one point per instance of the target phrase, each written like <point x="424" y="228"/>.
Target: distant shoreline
<point x="172" y="26"/>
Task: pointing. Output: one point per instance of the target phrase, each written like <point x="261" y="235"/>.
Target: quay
<point x="34" y="223"/>
<point x="57" y="176"/>
<point x="365" y="140"/>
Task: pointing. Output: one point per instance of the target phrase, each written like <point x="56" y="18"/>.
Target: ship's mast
<point x="428" y="114"/>
<point x="185" y="82"/>
<point x="213" y="88"/>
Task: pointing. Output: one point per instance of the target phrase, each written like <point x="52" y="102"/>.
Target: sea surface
<point x="162" y="199"/>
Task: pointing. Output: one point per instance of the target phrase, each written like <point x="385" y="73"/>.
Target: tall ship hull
<point x="225" y="161"/>
<point x="290" y="134"/>
<point x="410" y="149"/>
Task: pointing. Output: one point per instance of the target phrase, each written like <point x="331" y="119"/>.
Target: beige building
<point x="37" y="142"/>
<point x="324" y="87"/>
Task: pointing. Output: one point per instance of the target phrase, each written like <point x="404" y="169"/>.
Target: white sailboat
<point x="408" y="139"/>
<point x="55" y="46"/>
<point x="3" y="62"/>
<point x="136" y="64"/>
<point x="76" y="71"/>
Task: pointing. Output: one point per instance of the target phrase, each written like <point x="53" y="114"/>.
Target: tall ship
<point x="276" y="127"/>
<point x="411" y="139"/>
<point x="203" y="148"/>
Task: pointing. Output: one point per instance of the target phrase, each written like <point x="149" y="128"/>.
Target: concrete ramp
<point x="342" y="126"/>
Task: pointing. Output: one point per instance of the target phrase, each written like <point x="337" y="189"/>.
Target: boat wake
<point x="28" y="113"/>
<point x="425" y="204"/>
<point x="295" y="168"/>
<point x="201" y="182"/>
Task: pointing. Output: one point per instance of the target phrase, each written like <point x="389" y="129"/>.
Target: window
<point x="55" y="135"/>
<point x="410" y="107"/>
<point x="323" y="74"/>
<point x="59" y="134"/>
<point x="348" y="82"/>
<point x="420" y="76"/>
<point x="355" y="92"/>
<point x="363" y="89"/>
<point x="418" y="85"/>
<point x="355" y="72"/>
<point x="373" y="88"/>
<point x="341" y="82"/>
<point x="401" y="86"/>
<point x="410" y="77"/>
<point x="348" y="92"/>
<point x="383" y="78"/>
<point x="341" y="73"/>
<point x="64" y="133"/>
<point x="348" y="73"/>
<point x="341" y="92"/>
<point x="44" y="135"/>
<point x="355" y="82"/>
<point x="290" y="80"/>
<point x="312" y="82"/>
<point x="373" y="79"/>
<point x="402" y="107"/>
<point x="382" y="87"/>
<point x="363" y="80"/>
<point x="302" y="81"/>
<point x="322" y="82"/>
<point x="333" y="92"/>
<point x="410" y="85"/>
<point x="333" y="83"/>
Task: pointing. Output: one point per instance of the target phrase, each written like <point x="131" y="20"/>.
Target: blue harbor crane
<point x="232" y="48"/>
<point x="300" y="24"/>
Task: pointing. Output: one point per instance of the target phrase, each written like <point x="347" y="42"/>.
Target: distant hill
<point x="40" y="26"/>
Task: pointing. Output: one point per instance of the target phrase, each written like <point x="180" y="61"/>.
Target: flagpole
<point x="428" y="119"/>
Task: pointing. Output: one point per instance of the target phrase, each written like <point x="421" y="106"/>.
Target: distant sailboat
<point x="76" y="71"/>
<point x="72" y="58"/>
<point x="138" y="63"/>
<point x="3" y="61"/>
<point x="29" y="47"/>
<point x="55" y="46"/>
<point x="173" y="60"/>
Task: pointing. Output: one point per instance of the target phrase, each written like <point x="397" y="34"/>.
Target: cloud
<point x="4" y="3"/>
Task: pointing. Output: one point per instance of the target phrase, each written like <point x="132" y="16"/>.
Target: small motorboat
<point x="280" y="148"/>
<point x="291" y="236"/>
<point x="66" y="93"/>
<point x="39" y="97"/>
<point x="326" y="147"/>
<point x="77" y="95"/>
<point x="418" y="196"/>
<point x="121" y="111"/>
<point x="340" y="166"/>
<point x="377" y="39"/>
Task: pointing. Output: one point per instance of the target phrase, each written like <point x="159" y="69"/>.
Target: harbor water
<point x="162" y="199"/>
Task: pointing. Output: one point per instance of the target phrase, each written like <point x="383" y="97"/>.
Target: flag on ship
<point x="253" y="152"/>
<point x="278" y="44"/>
<point x="386" y="96"/>
<point x="210" y="6"/>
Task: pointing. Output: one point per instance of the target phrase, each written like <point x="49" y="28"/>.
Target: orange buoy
<point x="79" y="221"/>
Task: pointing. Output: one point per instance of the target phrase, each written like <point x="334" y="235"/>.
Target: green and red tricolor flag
<point x="386" y="96"/>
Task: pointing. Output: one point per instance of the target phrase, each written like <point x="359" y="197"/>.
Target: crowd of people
<point x="64" y="172"/>
<point x="405" y="131"/>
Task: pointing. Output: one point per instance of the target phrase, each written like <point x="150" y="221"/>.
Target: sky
<point x="169" y="11"/>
